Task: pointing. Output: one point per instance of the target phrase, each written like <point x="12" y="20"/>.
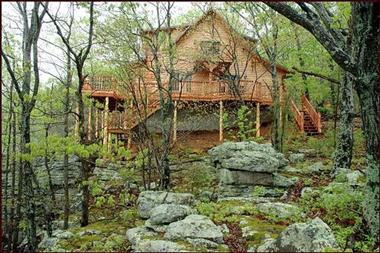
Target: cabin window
<point x="210" y="47"/>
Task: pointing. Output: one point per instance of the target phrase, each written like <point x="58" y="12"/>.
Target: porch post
<point x="175" y="122"/>
<point x="257" y="119"/>
<point x="220" y="120"/>
<point x="105" y="122"/>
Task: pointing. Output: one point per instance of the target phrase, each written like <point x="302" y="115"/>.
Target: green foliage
<point x="340" y="206"/>
<point x="243" y="122"/>
<point x="225" y="210"/>
<point x="258" y="191"/>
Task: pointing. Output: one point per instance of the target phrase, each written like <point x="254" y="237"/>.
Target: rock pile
<point x="170" y="220"/>
<point x="243" y="165"/>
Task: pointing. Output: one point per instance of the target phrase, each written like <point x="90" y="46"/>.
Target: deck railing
<point x="249" y="90"/>
<point x="298" y="116"/>
<point x="314" y="115"/>
<point x="104" y="84"/>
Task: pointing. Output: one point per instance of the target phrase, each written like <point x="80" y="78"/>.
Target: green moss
<point x="263" y="227"/>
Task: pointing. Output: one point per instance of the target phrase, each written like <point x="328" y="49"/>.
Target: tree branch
<point x="316" y="28"/>
<point x="317" y="75"/>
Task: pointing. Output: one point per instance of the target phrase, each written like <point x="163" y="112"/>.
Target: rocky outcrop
<point x="194" y="226"/>
<point x="150" y="199"/>
<point x="242" y="165"/>
<point x="313" y="236"/>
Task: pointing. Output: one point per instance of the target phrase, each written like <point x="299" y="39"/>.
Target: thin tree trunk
<point x="66" y="156"/>
<point x="46" y="161"/>
<point x="13" y="184"/>
<point x="28" y="182"/>
<point x="7" y="166"/>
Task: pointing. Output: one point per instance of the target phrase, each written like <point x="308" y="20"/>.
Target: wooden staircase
<point x="308" y="119"/>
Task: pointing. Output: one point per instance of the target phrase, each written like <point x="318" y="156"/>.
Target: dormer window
<point x="210" y="47"/>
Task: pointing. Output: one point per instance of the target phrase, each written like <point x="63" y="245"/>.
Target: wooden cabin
<point x="211" y="63"/>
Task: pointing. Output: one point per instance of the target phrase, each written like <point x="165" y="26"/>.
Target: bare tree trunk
<point x="7" y="219"/>
<point x="46" y="162"/>
<point x="13" y="184"/>
<point x="66" y="134"/>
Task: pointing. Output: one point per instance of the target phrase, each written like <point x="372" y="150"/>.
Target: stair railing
<point x="314" y="115"/>
<point x="298" y="116"/>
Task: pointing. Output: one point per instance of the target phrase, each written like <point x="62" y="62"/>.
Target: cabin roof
<point x="187" y="28"/>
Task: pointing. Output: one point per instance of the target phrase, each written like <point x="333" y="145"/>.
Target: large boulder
<point x="313" y="236"/>
<point x="247" y="156"/>
<point x="167" y="213"/>
<point x="278" y="209"/>
<point x="194" y="226"/>
<point x="158" y="246"/>
<point x="150" y="199"/>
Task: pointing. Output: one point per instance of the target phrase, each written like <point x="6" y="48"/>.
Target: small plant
<point x="243" y="123"/>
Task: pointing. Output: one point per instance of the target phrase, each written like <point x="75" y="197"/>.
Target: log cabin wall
<point x="234" y="50"/>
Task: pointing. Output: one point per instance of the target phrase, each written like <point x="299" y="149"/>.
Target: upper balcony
<point x="104" y="86"/>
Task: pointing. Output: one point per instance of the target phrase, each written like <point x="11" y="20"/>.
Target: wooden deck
<point x="186" y="91"/>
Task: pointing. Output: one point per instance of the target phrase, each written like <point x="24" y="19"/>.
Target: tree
<point x="361" y="63"/>
<point x="79" y="58"/>
<point x="32" y="23"/>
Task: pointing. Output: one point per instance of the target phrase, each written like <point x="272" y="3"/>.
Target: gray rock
<point x="289" y="169"/>
<point x="278" y="209"/>
<point x="310" y="191"/>
<point x="269" y="245"/>
<point x="308" y="151"/>
<point x="157" y="228"/>
<point x="312" y="236"/>
<point x="158" y="246"/>
<point x="60" y="234"/>
<point x="194" y="226"/>
<point x="206" y="196"/>
<point x="167" y="213"/>
<point x="281" y="181"/>
<point x="48" y="243"/>
<point x="150" y="199"/>
<point x="247" y="156"/>
<point x="353" y="178"/>
<point x="107" y="174"/>
<point x="138" y="233"/>
<point x="203" y="243"/>
<point x="294" y="158"/>
<point x="224" y="228"/>
<point x="244" y="177"/>
<point x="89" y="232"/>
<point x="317" y="167"/>
<point x="249" y="233"/>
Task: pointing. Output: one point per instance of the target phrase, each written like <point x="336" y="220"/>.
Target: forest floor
<point x="339" y="205"/>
